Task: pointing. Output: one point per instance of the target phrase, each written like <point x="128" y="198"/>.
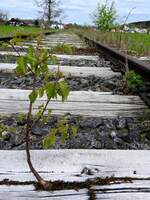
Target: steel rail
<point x="141" y="67"/>
<point x="117" y="57"/>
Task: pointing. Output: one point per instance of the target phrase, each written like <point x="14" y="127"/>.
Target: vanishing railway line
<point x="106" y="115"/>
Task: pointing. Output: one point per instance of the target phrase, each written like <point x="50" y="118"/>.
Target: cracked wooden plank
<point x="68" y="57"/>
<point x="102" y="72"/>
<point x="29" y="193"/>
<point x="67" y="165"/>
<point x="94" y="104"/>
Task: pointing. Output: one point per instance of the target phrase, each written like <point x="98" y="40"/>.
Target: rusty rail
<point x="122" y="59"/>
<point x="114" y="55"/>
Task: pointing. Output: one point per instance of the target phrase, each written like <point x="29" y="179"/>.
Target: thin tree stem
<point x="42" y="182"/>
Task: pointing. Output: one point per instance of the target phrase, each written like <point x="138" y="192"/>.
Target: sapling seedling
<point x="35" y="63"/>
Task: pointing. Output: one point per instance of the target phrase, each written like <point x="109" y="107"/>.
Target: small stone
<point x="113" y="134"/>
<point x="109" y="124"/>
<point x="90" y="123"/>
<point x="121" y="124"/>
<point x="125" y="135"/>
<point x="16" y="139"/>
<point x="40" y="131"/>
<point x="84" y="82"/>
<point x="20" y="147"/>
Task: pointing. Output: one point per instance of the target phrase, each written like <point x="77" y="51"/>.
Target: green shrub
<point x="63" y="48"/>
<point x="133" y="80"/>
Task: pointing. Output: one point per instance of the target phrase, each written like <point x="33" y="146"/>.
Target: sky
<point x="78" y="11"/>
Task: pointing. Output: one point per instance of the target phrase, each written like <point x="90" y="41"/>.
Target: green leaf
<point x="12" y="129"/>
<point x="64" y="133"/>
<point x="50" y="139"/>
<point x="33" y="61"/>
<point x="37" y="73"/>
<point x="41" y="92"/>
<point x="63" y="90"/>
<point x="31" y="51"/>
<point x="2" y="128"/>
<point x="33" y="95"/>
<point x="50" y="90"/>
<point x="21" y="66"/>
<point x="44" y="119"/>
<point x="47" y="76"/>
<point x="44" y="67"/>
<point x="1" y="136"/>
<point x="5" y="45"/>
<point x="43" y="54"/>
<point x="16" y="41"/>
<point x="74" y="130"/>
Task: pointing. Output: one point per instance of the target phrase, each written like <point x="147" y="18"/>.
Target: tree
<point x="50" y="10"/>
<point x="104" y="16"/>
<point x="3" y="16"/>
<point x="36" y="22"/>
<point x="35" y="63"/>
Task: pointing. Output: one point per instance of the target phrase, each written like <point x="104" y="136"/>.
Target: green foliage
<point x="4" y="45"/>
<point x="63" y="90"/>
<point x="104" y="17"/>
<point x="17" y="40"/>
<point x="35" y="62"/>
<point x="21" y="117"/>
<point x="74" y="130"/>
<point x="21" y="68"/>
<point x="135" y="43"/>
<point x="51" y="90"/>
<point x="6" y="30"/>
<point x="41" y="92"/>
<point x="50" y="139"/>
<point x="2" y="129"/>
<point x="5" y="128"/>
<point x="63" y="48"/>
<point x="133" y="80"/>
<point x="63" y="128"/>
<point x="12" y="129"/>
<point x="33" y="96"/>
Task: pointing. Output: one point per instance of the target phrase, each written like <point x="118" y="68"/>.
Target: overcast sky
<point x="78" y="10"/>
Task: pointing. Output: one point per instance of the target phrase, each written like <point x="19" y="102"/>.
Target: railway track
<point x="107" y="118"/>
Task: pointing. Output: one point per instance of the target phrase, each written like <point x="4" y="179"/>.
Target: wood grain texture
<point x="79" y="103"/>
<point x="124" y="192"/>
<point x="102" y="72"/>
<point x="67" y="165"/>
<point x="69" y="57"/>
<point x="29" y="193"/>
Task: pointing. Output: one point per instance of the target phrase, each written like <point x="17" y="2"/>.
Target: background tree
<point x="104" y="16"/>
<point x="3" y="16"/>
<point x="51" y="10"/>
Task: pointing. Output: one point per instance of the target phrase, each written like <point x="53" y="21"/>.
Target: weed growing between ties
<point x="35" y="62"/>
<point x="133" y="81"/>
